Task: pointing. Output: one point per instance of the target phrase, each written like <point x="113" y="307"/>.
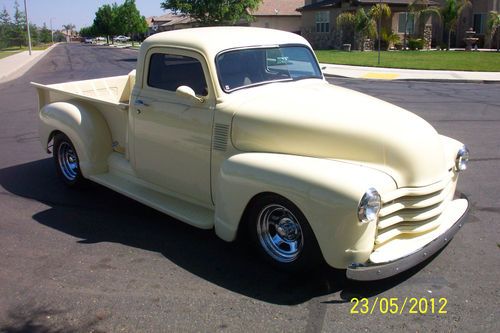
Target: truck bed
<point x="109" y="95"/>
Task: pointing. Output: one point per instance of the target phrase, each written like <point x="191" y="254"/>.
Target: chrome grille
<point x="408" y="212"/>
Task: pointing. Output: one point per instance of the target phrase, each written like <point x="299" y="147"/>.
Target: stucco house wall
<point x="476" y="18"/>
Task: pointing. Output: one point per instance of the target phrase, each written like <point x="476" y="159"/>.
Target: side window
<point x="169" y="72"/>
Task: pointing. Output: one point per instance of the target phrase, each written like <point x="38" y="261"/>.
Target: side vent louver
<point x="220" y="137"/>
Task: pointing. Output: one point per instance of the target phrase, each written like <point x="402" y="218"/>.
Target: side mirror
<point x="187" y="92"/>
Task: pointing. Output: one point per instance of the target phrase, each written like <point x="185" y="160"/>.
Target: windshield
<point x="248" y="67"/>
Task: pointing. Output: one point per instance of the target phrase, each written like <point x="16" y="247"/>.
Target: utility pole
<point x="51" y="31"/>
<point x="379" y="28"/>
<point x="27" y="26"/>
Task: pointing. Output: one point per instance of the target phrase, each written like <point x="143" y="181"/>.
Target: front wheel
<point x="281" y="233"/>
<point x="66" y="161"/>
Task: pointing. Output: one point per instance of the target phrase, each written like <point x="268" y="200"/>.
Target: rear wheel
<point x="66" y="161"/>
<point x="281" y="234"/>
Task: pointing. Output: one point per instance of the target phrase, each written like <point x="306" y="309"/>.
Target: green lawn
<point x="446" y="60"/>
<point x="16" y="49"/>
<point x="4" y="54"/>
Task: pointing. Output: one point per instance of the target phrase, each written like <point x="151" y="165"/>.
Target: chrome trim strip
<point x="371" y="272"/>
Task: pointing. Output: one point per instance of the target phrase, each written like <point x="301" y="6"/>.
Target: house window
<point x="323" y="21"/>
<point x="408" y="20"/>
<point x="479" y="23"/>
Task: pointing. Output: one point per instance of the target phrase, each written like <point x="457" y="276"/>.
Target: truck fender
<point x="85" y="127"/>
<point x="326" y="191"/>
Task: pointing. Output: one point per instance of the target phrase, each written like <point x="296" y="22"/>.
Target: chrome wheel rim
<point x="68" y="161"/>
<point x="279" y="233"/>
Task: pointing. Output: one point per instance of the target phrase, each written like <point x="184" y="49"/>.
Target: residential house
<point x="320" y="28"/>
<point x="476" y="18"/>
<point x="169" y="21"/>
<point x="319" y="19"/>
<point x="278" y="14"/>
<point x="274" y="14"/>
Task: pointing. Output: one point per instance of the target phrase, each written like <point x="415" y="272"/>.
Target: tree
<point x="214" y="12"/>
<point x="88" y="32"/>
<point x="69" y="29"/>
<point x="5" y="28"/>
<point x="128" y="19"/>
<point x="421" y="11"/>
<point x="346" y="21"/>
<point x="18" y="36"/>
<point x="59" y="36"/>
<point x="377" y="13"/>
<point x="494" y="26"/>
<point x="451" y="13"/>
<point x="45" y="35"/>
<point x="365" y="26"/>
<point x="363" y="23"/>
<point x="104" y="19"/>
<point x="35" y="34"/>
<point x="5" y="17"/>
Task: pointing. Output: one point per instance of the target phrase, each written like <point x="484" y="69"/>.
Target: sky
<point x="79" y="12"/>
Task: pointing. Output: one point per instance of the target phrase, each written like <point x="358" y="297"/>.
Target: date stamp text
<point x="398" y="305"/>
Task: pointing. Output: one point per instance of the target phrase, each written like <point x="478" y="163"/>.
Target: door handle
<point x="140" y="102"/>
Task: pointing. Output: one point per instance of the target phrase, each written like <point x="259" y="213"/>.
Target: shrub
<point x="416" y="43"/>
<point x="390" y="39"/>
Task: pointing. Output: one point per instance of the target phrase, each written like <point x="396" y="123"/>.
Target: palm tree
<point x="365" y="26"/>
<point x="69" y="29"/>
<point x="346" y="21"/>
<point x="421" y="11"/>
<point x="379" y="11"/>
<point x="364" y="23"/>
<point x="451" y="13"/>
<point x="494" y="26"/>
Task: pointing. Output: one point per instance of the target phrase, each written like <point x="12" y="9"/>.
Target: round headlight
<point x="369" y="206"/>
<point x="462" y="159"/>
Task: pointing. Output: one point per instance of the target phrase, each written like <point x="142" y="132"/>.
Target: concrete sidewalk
<point x="14" y="66"/>
<point x="358" y="72"/>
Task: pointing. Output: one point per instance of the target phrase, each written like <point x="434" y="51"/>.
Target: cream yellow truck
<point x="236" y="129"/>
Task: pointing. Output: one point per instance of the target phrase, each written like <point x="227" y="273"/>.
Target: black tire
<point x="281" y="234"/>
<point x="67" y="162"/>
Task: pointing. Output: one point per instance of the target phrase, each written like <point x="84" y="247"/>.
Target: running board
<point x="189" y="213"/>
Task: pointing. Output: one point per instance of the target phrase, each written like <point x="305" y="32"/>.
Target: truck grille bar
<point x="409" y="212"/>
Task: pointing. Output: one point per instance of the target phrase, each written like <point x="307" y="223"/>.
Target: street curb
<point x="27" y="66"/>
<point x="416" y="80"/>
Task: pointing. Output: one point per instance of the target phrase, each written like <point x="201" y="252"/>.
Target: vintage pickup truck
<point x="236" y="129"/>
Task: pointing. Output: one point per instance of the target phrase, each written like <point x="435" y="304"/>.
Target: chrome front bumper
<point x="370" y="272"/>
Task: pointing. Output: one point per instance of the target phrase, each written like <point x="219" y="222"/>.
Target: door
<point x="172" y="133"/>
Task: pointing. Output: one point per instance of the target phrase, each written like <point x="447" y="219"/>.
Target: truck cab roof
<point x="212" y="40"/>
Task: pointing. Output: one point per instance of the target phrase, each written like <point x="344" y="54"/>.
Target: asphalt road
<point x="95" y="261"/>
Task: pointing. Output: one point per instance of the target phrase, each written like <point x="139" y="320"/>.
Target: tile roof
<point x="279" y="8"/>
<point x="325" y="4"/>
<point x="396" y="2"/>
<point x="170" y="19"/>
<point x="322" y="5"/>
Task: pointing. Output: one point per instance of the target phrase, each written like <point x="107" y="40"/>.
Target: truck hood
<point x="314" y="118"/>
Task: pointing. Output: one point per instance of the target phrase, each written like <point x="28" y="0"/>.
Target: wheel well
<point x="51" y="138"/>
<point x="251" y="203"/>
<point x="312" y="251"/>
